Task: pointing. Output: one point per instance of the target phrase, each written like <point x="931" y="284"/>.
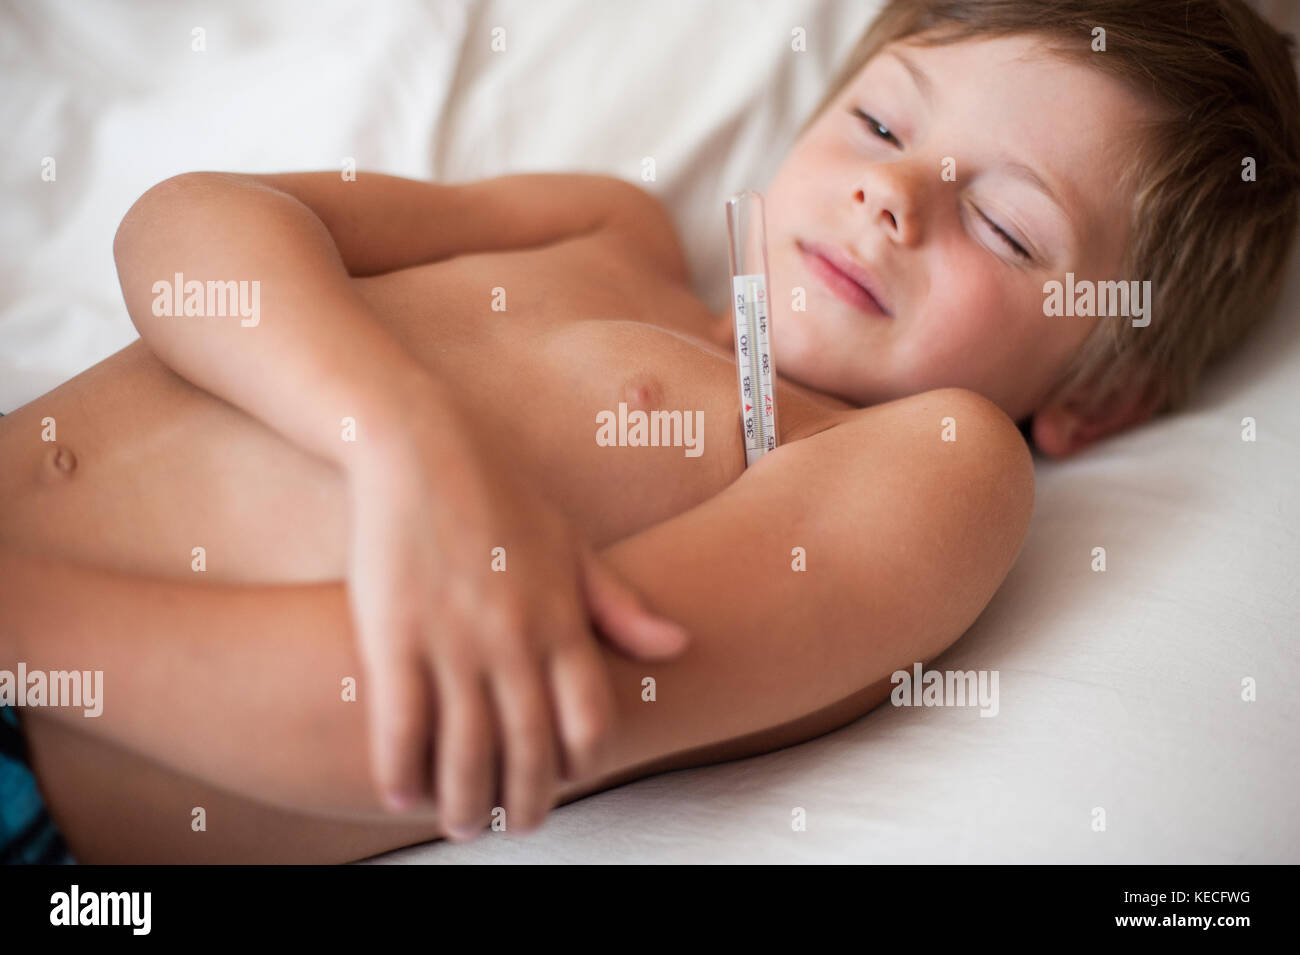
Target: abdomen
<point x="145" y="468"/>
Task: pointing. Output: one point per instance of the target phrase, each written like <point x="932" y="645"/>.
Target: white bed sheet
<point x="1119" y="690"/>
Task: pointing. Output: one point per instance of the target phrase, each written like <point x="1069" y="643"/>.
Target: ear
<point x="1063" y="428"/>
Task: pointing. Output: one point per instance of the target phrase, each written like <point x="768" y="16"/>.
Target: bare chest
<point x="580" y="373"/>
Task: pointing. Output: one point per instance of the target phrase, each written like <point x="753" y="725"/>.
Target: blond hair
<point x="1212" y="243"/>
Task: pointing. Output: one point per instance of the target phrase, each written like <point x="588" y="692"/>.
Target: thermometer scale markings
<point x="749" y="287"/>
<point x="756" y="387"/>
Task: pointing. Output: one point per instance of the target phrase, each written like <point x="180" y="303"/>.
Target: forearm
<point x="304" y="352"/>
<point x="314" y="354"/>
<point x="382" y="223"/>
<point x="242" y="687"/>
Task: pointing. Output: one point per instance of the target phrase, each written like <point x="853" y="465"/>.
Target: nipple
<point x="642" y="392"/>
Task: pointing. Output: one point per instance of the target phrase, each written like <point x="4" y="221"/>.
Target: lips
<point x="844" y="277"/>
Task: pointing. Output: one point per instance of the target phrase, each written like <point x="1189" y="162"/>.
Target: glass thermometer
<point x="749" y="299"/>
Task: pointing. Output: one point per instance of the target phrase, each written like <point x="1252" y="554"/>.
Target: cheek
<point x="818" y="161"/>
<point x="787" y="189"/>
<point x="963" y="322"/>
<point x="982" y="327"/>
<point x="782" y="201"/>
<point x="969" y="304"/>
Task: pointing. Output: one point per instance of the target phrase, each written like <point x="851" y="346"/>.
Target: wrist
<point x="401" y="424"/>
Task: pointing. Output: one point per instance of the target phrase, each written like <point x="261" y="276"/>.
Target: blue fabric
<point x="28" y="835"/>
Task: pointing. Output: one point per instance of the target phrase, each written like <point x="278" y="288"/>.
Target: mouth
<point x="843" y="277"/>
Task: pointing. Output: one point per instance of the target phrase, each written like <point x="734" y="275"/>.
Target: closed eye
<point x="883" y="132"/>
<point x="1015" y="246"/>
<point x="876" y="127"/>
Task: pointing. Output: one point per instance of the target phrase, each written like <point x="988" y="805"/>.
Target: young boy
<point x="408" y="398"/>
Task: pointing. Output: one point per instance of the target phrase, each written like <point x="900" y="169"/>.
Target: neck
<point x="721" y="330"/>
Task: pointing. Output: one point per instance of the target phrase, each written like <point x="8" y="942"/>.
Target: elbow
<point x="162" y="205"/>
<point x="996" y="473"/>
<point x="153" y="234"/>
<point x="144" y="212"/>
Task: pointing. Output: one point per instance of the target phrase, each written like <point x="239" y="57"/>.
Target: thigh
<point x="115" y="806"/>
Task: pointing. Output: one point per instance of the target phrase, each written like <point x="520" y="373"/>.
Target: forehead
<point x="1011" y="100"/>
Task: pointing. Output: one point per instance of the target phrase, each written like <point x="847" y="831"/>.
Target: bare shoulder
<point x="946" y="435"/>
<point x="952" y="423"/>
<point x="950" y="450"/>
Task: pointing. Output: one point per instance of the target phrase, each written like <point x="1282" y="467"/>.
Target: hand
<point x="452" y="649"/>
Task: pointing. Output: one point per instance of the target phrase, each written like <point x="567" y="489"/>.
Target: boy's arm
<point x="903" y="540"/>
<point x="239" y="686"/>
<point x="313" y="354"/>
<point x="906" y="537"/>
<point x="307" y="358"/>
<point x="307" y="354"/>
<point x="381" y="223"/>
<point x="312" y="344"/>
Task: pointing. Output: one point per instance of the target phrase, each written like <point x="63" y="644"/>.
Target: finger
<point x="520" y="694"/>
<point x="464" y="761"/>
<point x="620" y="617"/>
<point x="584" y="708"/>
<point x="398" y="704"/>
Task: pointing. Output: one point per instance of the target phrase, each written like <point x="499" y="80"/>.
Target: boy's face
<point x="992" y="134"/>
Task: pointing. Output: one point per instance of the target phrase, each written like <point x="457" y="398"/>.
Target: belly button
<point x="59" y="463"/>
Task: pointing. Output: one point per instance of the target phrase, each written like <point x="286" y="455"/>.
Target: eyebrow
<point x="1017" y="169"/>
<point x="1027" y="175"/>
<point x="918" y="76"/>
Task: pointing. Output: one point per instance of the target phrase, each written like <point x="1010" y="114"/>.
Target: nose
<point x="890" y="197"/>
